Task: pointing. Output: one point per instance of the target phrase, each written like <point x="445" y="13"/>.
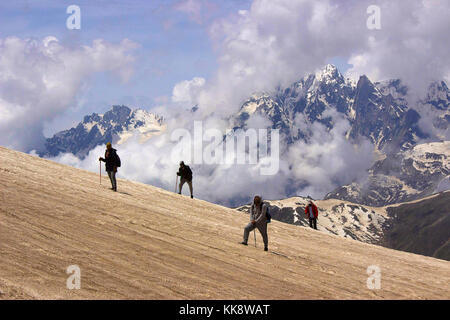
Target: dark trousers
<point x="112" y="177"/>
<point x="182" y="182"/>
<point x="313" y="223"/>
<point x="262" y="229"/>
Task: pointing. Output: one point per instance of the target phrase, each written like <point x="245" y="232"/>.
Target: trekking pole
<point x="254" y="233"/>
<point x="100" y="167"/>
<point x="176" y="184"/>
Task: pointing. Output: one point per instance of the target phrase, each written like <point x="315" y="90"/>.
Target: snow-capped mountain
<point x="309" y="97"/>
<point x="404" y="176"/>
<point x="394" y="226"/>
<point x="117" y="125"/>
<point x="381" y="112"/>
<point x="377" y="111"/>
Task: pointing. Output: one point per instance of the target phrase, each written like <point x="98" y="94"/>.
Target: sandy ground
<point x="147" y="243"/>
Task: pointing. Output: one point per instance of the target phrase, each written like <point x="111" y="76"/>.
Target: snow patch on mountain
<point x="117" y="126"/>
<point x="400" y="177"/>
<point x="144" y="123"/>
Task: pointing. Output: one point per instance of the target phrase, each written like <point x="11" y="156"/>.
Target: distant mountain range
<point x="411" y="164"/>
<point x="377" y="111"/>
<point x="421" y="226"/>
<point x="404" y="176"/>
<point x="116" y="125"/>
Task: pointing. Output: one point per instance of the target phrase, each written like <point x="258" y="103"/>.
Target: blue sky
<point x="174" y="45"/>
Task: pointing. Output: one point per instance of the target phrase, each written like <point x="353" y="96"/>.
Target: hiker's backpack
<point x="268" y="216"/>
<point x="118" y="163"/>
<point x="188" y="173"/>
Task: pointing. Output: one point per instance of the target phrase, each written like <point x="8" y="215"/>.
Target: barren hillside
<point x="144" y="242"/>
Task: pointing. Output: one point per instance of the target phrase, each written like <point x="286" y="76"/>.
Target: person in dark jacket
<point x="111" y="163"/>
<point x="258" y="219"/>
<point x="312" y="213"/>
<point x="185" y="174"/>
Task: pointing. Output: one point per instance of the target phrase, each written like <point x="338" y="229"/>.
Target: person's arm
<point x="116" y="161"/>
<point x="252" y="217"/>
<point x="103" y="159"/>
<point x="263" y="213"/>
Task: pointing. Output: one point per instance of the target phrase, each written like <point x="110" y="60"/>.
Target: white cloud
<point x="186" y="92"/>
<point x="40" y="79"/>
<point x="258" y="121"/>
<point x="276" y="42"/>
<point x="412" y="45"/>
<point x="328" y="160"/>
<point x="193" y="8"/>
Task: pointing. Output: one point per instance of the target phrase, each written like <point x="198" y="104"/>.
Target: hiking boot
<point x="266" y="249"/>
<point x="192" y="197"/>
<point x="244" y="243"/>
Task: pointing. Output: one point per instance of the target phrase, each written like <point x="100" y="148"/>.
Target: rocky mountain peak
<point x="329" y="72"/>
<point x="115" y="125"/>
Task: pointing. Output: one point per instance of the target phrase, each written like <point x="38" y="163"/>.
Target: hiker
<point x="312" y="213"/>
<point x="185" y="174"/>
<point x="258" y="219"/>
<point x="112" y="161"/>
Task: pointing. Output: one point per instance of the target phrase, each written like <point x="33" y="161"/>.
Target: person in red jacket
<point x="312" y="213"/>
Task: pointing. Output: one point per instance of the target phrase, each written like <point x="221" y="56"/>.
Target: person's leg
<point x="315" y="223"/>
<point x="182" y="181"/>
<point x="114" y="180"/>
<point x="310" y="222"/>
<point x="263" y="230"/>
<point x="190" y="188"/>
<point x="248" y="228"/>
<point x="110" y="175"/>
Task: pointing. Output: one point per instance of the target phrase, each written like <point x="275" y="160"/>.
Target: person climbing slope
<point x="258" y="219"/>
<point x="185" y="174"/>
<point x="312" y="213"/>
<point x="112" y="162"/>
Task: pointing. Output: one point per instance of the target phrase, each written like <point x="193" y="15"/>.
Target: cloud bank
<point x="41" y="79"/>
<point x="276" y="42"/>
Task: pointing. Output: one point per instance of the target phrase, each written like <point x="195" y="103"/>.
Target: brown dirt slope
<point x="144" y="242"/>
<point x="421" y="227"/>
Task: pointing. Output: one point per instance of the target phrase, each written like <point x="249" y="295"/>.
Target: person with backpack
<point x="259" y="217"/>
<point x="312" y="213"/>
<point x="185" y="174"/>
<point x="112" y="162"/>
